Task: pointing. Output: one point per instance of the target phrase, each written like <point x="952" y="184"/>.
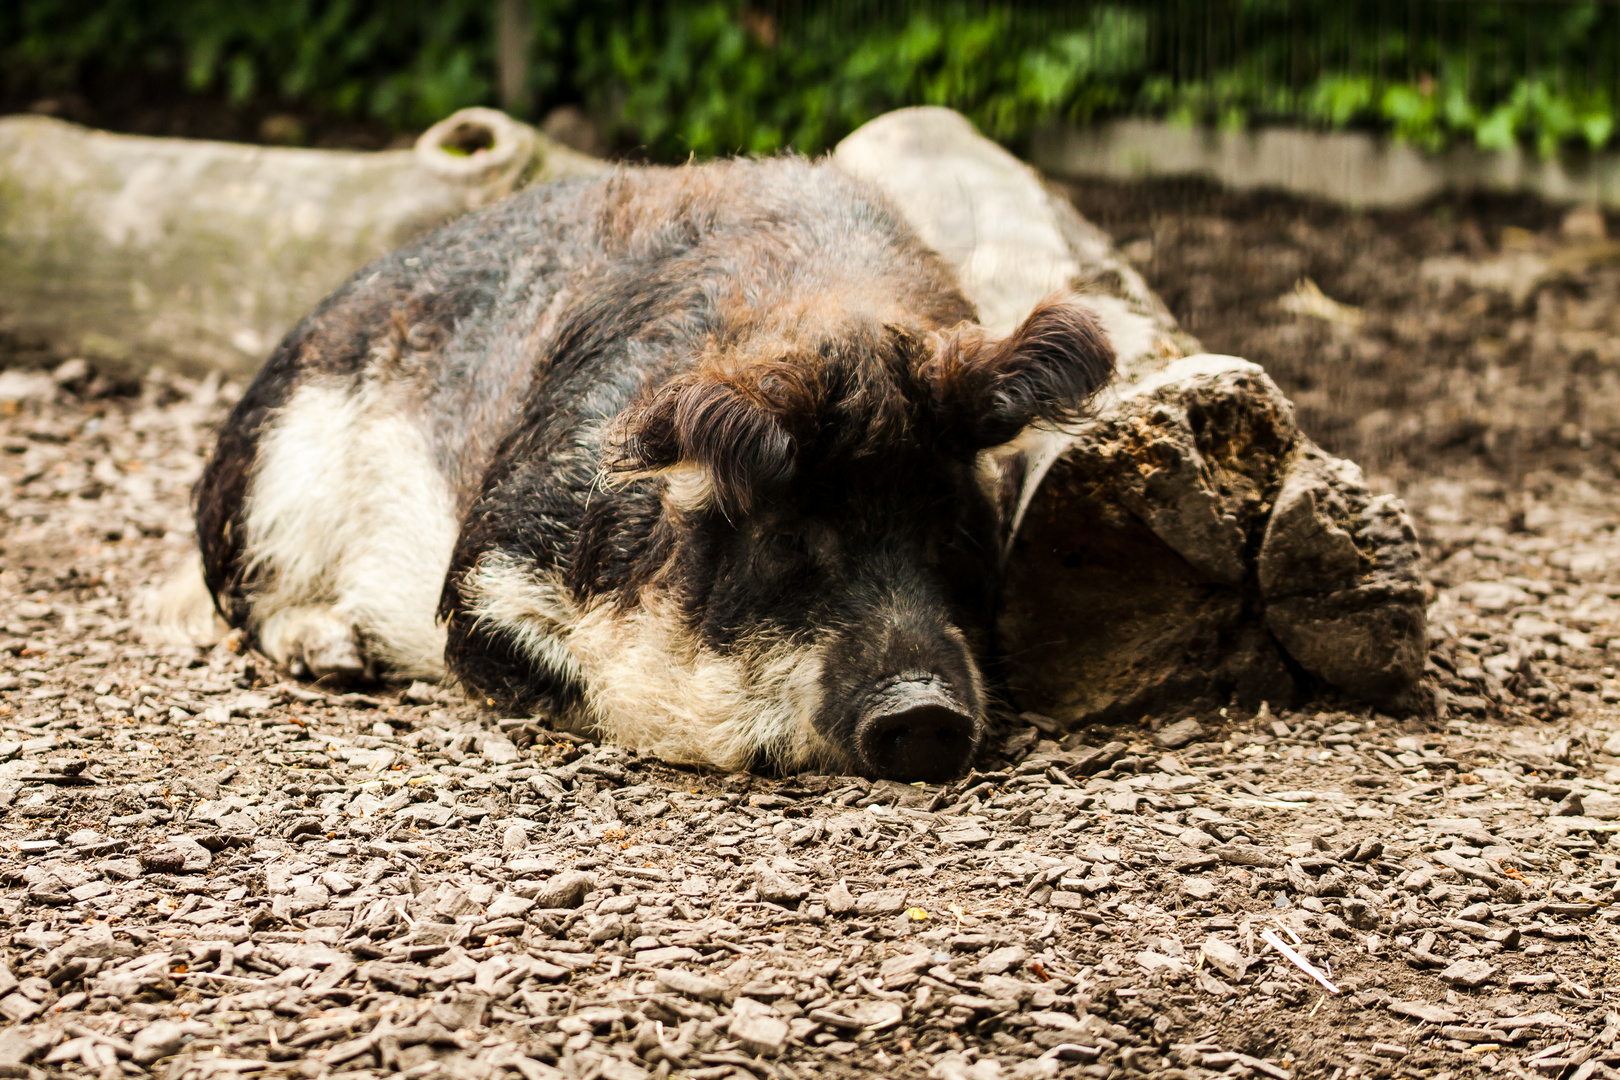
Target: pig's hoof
<point x="314" y="643"/>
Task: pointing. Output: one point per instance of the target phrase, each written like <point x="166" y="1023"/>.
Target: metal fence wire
<point x="1289" y="44"/>
<point x="758" y="76"/>
<point x="1432" y="69"/>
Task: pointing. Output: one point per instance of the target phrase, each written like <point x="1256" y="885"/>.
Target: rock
<point x="1196" y="838"/>
<point x="1179" y="734"/>
<point x="95" y="942"/>
<point x="840" y="901"/>
<point x="690" y="984"/>
<point x="866" y="1014"/>
<point x="1224" y="957"/>
<point x="307" y="898"/>
<point x="19" y="1008"/>
<point x="500" y="751"/>
<point x="21" y="386"/>
<point x="1468" y="973"/>
<point x="1000" y="961"/>
<point x="1499" y="596"/>
<point x="155" y="1041"/>
<point x="1245" y="855"/>
<point x="565" y="890"/>
<point x="1199" y="889"/>
<point x="776" y="888"/>
<point x="757" y="1028"/>
<point x="20" y="1045"/>
<point x="1158" y="962"/>
<point x="1424" y="1011"/>
<point x="881" y="902"/>
<point x="433" y="815"/>
<point x="508" y="905"/>
<point x="902" y="969"/>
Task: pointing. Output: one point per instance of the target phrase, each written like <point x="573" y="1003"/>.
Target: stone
<point x="1468" y="973"/>
<point x="757" y="1028"/>
<point x="777" y="888"/>
<point x="689" y="983"/>
<point x="1175" y="736"/>
<point x="433" y="815"/>
<point x="565" y="890"/>
<point x="1000" y="961"/>
<point x="1224" y="957"/>
<point x="19" y="1008"/>
<point x="508" y="905"/>
<point x="1196" y="837"/>
<point x="1427" y="1011"/>
<point x="902" y="969"/>
<point x="500" y="751"/>
<point x="156" y="1041"/>
<point x="881" y="902"/>
<point x="1199" y="889"/>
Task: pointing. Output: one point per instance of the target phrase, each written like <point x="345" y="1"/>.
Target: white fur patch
<point x="180" y="611"/>
<point x="688" y="488"/>
<point x="649" y="685"/>
<point x="347" y="510"/>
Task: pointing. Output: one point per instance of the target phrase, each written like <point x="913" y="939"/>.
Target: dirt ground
<point x="208" y="871"/>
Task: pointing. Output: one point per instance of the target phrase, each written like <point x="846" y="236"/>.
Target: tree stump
<point x="1187" y="546"/>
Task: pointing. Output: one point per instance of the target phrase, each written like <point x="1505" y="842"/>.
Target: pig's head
<point x="824" y="527"/>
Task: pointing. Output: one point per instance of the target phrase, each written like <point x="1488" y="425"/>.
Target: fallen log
<point x="198" y="256"/>
<point x="1188" y="546"/>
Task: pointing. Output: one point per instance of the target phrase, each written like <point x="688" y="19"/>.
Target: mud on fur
<point x="686" y="457"/>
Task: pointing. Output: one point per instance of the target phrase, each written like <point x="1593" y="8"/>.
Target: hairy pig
<point x="683" y="457"/>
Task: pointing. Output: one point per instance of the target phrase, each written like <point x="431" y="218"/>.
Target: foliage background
<point x="668" y="80"/>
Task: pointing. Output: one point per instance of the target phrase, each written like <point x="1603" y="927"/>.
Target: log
<point x="198" y="256"/>
<point x="1187" y="546"/>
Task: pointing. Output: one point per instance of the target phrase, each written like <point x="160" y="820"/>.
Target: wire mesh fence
<point x="1499" y="71"/>
<point x="716" y="76"/>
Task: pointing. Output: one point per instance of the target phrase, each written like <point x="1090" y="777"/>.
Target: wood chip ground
<point x="208" y="872"/>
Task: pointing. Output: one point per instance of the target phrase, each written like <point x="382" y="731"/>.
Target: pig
<point x="688" y="458"/>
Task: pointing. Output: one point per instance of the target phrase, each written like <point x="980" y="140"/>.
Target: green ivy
<point x="709" y="77"/>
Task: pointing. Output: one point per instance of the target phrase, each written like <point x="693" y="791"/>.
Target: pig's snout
<point x="913" y="729"/>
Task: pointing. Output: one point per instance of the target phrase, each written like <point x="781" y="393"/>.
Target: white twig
<point x="1270" y="938"/>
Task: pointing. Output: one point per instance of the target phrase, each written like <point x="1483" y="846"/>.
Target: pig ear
<point x="732" y="426"/>
<point x="1045" y="371"/>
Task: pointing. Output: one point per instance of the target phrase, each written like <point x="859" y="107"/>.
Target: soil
<point x="1483" y="331"/>
<point x="136" y="103"/>
<point x="207" y="870"/>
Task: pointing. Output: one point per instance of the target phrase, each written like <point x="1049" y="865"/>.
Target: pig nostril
<point x="924" y="742"/>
